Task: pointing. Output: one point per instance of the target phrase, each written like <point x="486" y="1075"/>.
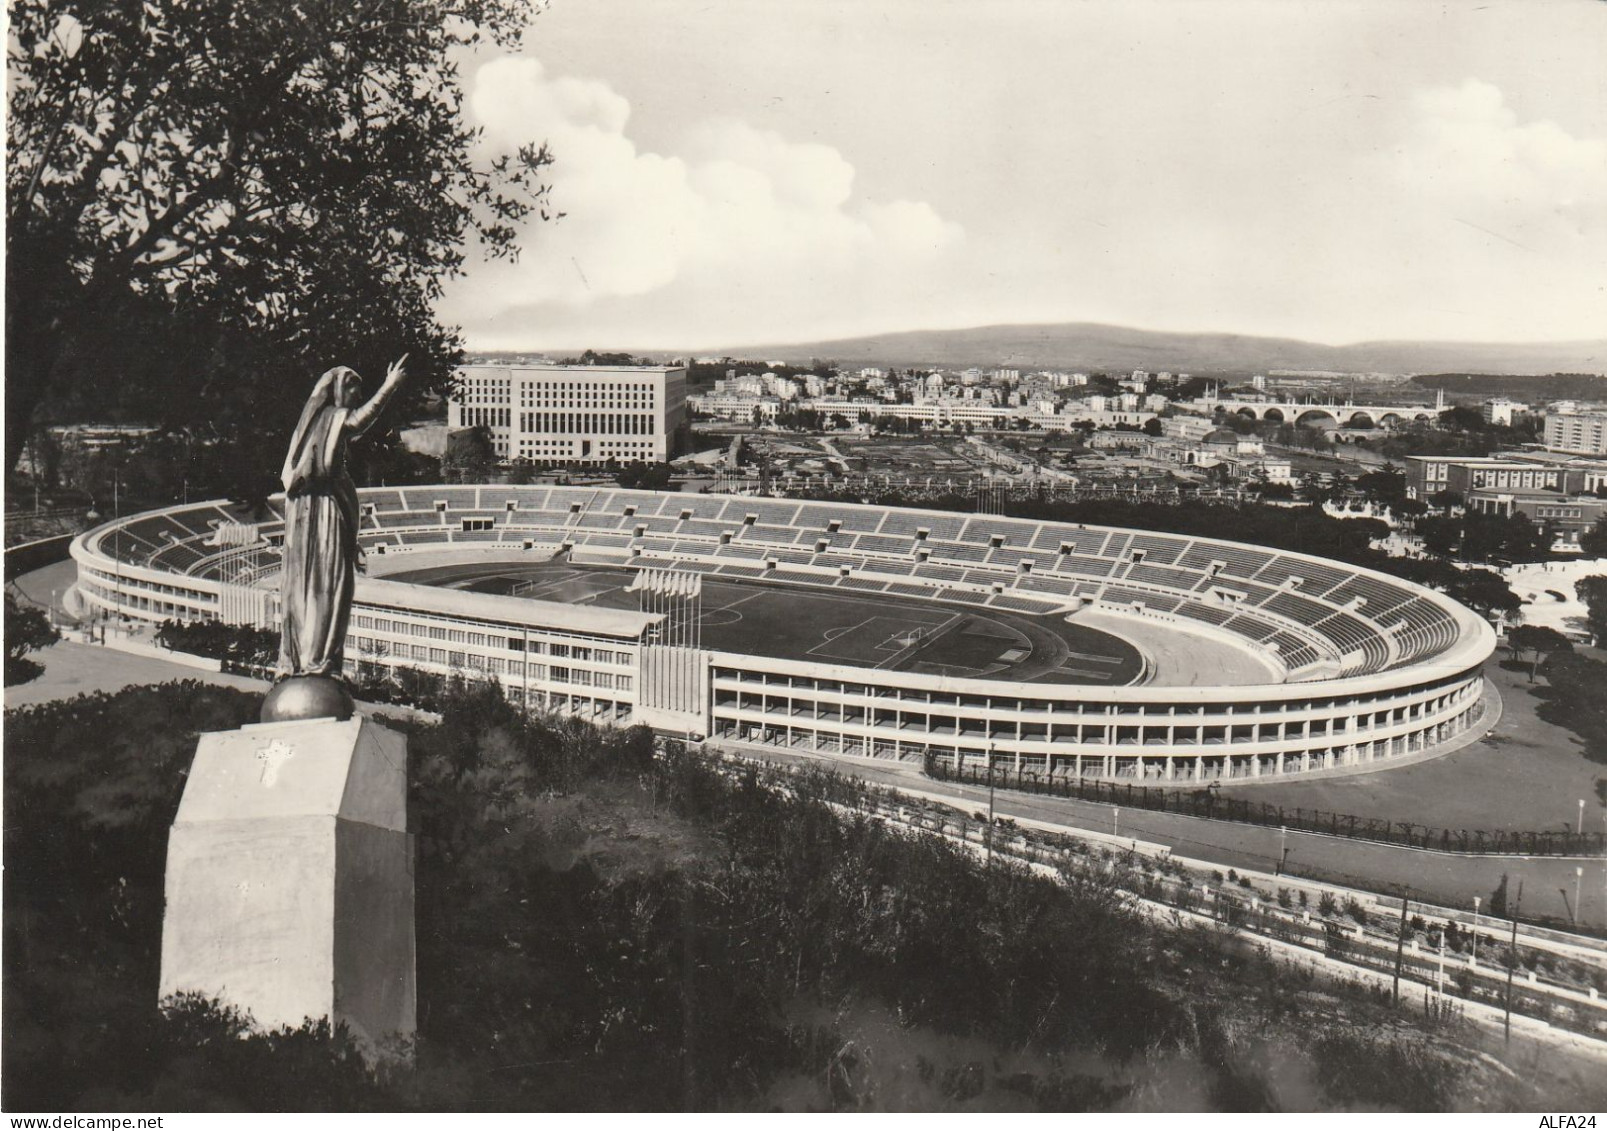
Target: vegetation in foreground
<point x="600" y="927"/>
<point x="27" y="630"/>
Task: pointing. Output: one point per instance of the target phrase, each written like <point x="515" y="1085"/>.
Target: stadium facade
<point x="1370" y="669"/>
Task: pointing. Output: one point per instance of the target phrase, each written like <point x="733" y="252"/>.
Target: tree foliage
<point x="1535" y="639"/>
<point x="1593" y="592"/>
<point x="209" y="203"/>
<point x="240" y="647"/>
<point x="1475" y="536"/>
<point x="641" y="476"/>
<point x="1573" y="699"/>
<point x="27" y="630"/>
<point x="603" y="926"/>
<point x="471" y="456"/>
<point x="1594" y="541"/>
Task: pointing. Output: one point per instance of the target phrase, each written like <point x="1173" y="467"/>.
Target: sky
<point x="739" y="172"/>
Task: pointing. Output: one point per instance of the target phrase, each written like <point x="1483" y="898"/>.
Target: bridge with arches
<point x="1340" y="415"/>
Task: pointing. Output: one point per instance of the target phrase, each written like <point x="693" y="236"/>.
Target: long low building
<point x="1357" y="668"/>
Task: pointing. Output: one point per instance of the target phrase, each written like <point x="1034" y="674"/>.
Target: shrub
<point x="240" y="647"/>
<point x="27" y="630"/>
<point x="586" y="900"/>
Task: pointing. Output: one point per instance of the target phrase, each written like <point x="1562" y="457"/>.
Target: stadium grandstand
<point x="1355" y="668"/>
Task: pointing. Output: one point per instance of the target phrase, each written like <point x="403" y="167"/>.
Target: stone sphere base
<point x="308" y="697"/>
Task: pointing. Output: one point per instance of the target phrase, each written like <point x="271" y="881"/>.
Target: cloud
<point x="768" y="223"/>
<point x="1467" y="149"/>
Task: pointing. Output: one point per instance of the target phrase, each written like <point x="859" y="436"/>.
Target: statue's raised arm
<point x="319" y="575"/>
<point x="364" y="418"/>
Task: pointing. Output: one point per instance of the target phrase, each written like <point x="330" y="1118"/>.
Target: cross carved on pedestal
<point x="272" y="756"/>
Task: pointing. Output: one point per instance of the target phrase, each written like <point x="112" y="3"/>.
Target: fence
<point x="1207" y="804"/>
<point x="29" y="556"/>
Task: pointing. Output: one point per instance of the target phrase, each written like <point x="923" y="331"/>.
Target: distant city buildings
<point x="1582" y="433"/>
<point x="1187" y="427"/>
<point x="1561" y="494"/>
<point x="1500" y="410"/>
<point x="1139" y="420"/>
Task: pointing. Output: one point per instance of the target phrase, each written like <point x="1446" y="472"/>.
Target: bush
<point x="672" y="932"/>
<point x="27" y="630"/>
<point x="240" y="647"/>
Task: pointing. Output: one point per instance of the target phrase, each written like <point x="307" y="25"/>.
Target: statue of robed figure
<point x="319" y="574"/>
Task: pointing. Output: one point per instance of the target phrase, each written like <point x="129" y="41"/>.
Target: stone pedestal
<point x="290" y="878"/>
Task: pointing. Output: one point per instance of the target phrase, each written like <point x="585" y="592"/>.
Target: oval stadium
<point x="861" y="631"/>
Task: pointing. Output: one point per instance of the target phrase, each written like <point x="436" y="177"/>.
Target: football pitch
<point x="869" y="630"/>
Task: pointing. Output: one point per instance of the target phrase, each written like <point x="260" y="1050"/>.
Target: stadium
<point x="857" y="630"/>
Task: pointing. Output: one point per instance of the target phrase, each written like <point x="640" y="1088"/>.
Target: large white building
<point x="1582" y="432"/>
<point x="569" y="414"/>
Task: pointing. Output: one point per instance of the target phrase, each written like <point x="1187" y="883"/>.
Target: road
<point x="1526" y="774"/>
<point x="1441" y="878"/>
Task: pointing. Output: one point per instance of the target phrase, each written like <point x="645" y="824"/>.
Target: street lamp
<point x="1115" y="821"/>
<point x="990" y="806"/>
<point x="1579" y="888"/>
<point x="1440" y="980"/>
<point x="1580" y="831"/>
<point x="1476" y="901"/>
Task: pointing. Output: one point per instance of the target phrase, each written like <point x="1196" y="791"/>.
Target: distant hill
<point x="1089" y="345"/>
<point x="1539" y="387"/>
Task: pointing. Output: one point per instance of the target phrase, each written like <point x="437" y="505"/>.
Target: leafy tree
<point x="1476" y="536"/>
<point x="1574" y="699"/>
<point x="1461" y="418"/>
<point x="1498" y="899"/>
<point x="640" y="476"/>
<point x="1384" y="485"/>
<point x="1536" y="639"/>
<point x="27" y="630"/>
<point x="470" y="455"/>
<point x="1483" y="590"/>
<point x="213" y="201"/>
<point x="240" y="647"/>
<point x="521" y="472"/>
<point x="1594" y="541"/>
<point x="1593" y="592"/>
<point x="593" y="357"/>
